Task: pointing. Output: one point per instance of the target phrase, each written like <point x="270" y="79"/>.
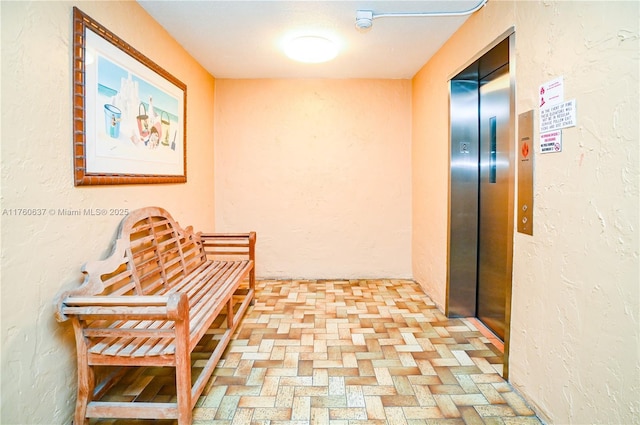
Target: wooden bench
<point x="150" y="303"/>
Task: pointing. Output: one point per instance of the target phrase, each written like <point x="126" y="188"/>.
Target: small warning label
<point x="551" y="142"/>
<point x="551" y="93"/>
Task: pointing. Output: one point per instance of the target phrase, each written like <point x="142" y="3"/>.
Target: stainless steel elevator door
<point x="493" y="209"/>
<point x="463" y="198"/>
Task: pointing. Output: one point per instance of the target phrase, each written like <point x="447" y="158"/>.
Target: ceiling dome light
<point x="311" y="49"/>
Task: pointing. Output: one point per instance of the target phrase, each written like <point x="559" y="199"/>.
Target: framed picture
<point x="129" y="114"/>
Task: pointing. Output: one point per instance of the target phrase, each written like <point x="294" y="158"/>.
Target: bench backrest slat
<point x="158" y="246"/>
<point x="120" y="282"/>
<point x="152" y="254"/>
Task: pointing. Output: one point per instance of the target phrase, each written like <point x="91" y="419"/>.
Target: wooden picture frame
<point x="129" y="114"/>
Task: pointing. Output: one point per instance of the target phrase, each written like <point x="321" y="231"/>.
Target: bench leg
<point x="183" y="387"/>
<point x="183" y="374"/>
<point x="85" y="391"/>
<point x="252" y="284"/>
<point x="86" y="378"/>
<point x="252" y="279"/>
<point x="230" y="313"/>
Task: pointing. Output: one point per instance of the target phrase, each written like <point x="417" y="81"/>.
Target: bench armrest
<point x="174" y="306"/>
<point x="229" y="244"/>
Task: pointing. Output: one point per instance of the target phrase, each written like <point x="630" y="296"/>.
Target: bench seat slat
<point x="106" y="344"/>
<point x="191" y="280"/>
<point x="224" y="290"/>
<point x="133" y="345"/>
<point x="137" y="333"/>
<point x="138" y="338"/>
<point x="198" y="286"/>
<point x="128" y="312"/>
<point x="141" y="344"/>
<point x="131" y="340"/>
<point x="200" y="300"/>
<point x="157" y="342"/>
<point x="162" y="347"/>
<point x="126" y="300"/>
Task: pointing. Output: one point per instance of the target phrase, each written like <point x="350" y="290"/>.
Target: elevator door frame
<point x="460" y="299"/>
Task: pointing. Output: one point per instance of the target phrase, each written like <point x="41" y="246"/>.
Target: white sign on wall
<point x="555" y="114"/>
<point x="551" y="142"/>
<point x="551" y="93"/>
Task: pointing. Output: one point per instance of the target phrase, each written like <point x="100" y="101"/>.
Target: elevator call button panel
<point x="525" y="172"/>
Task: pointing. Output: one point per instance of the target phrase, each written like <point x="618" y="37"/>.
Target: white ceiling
<point x="243" y="39"/>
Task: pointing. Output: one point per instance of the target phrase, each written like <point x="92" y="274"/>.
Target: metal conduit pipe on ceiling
<point x="364" y="18"/>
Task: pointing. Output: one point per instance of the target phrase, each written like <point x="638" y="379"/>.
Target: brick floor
<point x="344" y="352"/>
<point x="347" y="352"/>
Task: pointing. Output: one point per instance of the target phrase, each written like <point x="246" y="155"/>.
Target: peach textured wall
<point x="575" y="309"/>
<point x="321" y="170"/>
<point x="42" y="255"/>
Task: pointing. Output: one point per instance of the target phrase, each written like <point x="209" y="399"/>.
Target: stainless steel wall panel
<point x="525" y="172"/>
<point x="463" y="198"/>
